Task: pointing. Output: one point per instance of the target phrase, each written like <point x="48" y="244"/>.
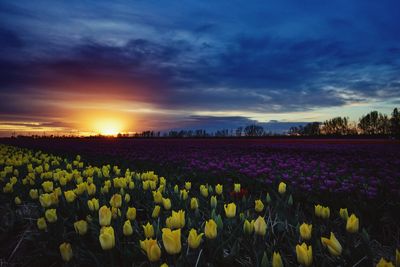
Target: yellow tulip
<point x="157" y="197"/>
<point x="151" y="248"/>
<point x="210" y="229"/>
<point x="213" y="202"/>
<point x="344" y="214"/>
<point x="323" y="212"/>
<point x="176" y="220"/>
<point x="131" y="213"/>
<point x="194" y="203"/>
<point x="259" y="205"/>
<point x="17" y="201"/>
<point x="204" y="190"/>
<point x="107" y="237"/>
<point x="236" y="188"/>
<point x="47" y="186"/>
<point x="41" y="223"/>
<point x="194" y="239"/>
<point x="116" y="201"/>
<point x="166" y="203"/>
<point x="383" y="263"/>
<point x="248" y="227"/>
<point x="148" y="230"/>
<point x="305" y="231"/>
<point x="93" y="204"/>
<point x="282" y="188"/>
<point x="51" y="215"/>
<point x="127" y="228"/>
<point x="188" y="185"/>
<point x="184" y="194"/>
<point x="333" y="245"/>
<point x="91" y="189"/>
<point x="104" y="216"/>
<point x="69" y="196"/>
<point x="230" y="210"/>
<point x="277" y="260"/>
<point x="304" y="254"/>
<point x="172" y="240"/>
<point x="352" y="224"/>
<point x="66" y="251"/>
<point x="218" y="189"/>
<point x="81" y="227"/>
<point x="164" y="265"/>
<point x="156" y="212"/>
<point x="46" y="200"/>
<point x="260" y="226"/>
<point x="33" y="193"/>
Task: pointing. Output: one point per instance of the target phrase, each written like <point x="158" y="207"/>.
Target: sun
<point x="109" y="127"/>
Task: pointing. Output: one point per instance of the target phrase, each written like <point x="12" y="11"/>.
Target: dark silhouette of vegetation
<point x="371" y="124"/>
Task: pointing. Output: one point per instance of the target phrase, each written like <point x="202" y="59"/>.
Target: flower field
<point x="199" y="203"/>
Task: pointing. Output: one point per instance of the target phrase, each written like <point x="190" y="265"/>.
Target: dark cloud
<point x="247" y="59"/>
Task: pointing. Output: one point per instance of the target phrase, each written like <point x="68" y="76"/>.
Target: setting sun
<point x="108" y="126"/>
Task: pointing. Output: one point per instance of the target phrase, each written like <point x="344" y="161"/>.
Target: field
<point x="282" y="183"/>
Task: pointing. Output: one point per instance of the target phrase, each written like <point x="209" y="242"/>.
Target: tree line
<point x="373" y="123"/>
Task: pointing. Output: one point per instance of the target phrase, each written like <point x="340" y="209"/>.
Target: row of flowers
<point x="147" y="217"/>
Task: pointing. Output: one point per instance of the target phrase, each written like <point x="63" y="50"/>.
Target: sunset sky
<point x="87" y="67"/>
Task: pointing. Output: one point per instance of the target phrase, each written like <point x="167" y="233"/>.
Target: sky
<point x="87" y="67"/>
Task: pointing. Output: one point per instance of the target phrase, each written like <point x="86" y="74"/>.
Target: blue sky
<point x="172" y="64"/>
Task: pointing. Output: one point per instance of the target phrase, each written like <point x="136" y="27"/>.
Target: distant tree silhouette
<point x="395" y="123"/>
<point x="254" y="130"/>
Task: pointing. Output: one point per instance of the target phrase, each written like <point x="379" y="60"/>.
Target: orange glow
<point x="108" y="126"/>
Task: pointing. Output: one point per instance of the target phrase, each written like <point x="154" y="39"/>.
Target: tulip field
<point x="199" y="203"/>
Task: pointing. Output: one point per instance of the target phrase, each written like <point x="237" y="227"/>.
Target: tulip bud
<point x="172" y="241"/>
<point x="157" y="197"/>
<point x="218" y="189"/>
<point x="148" y="230"/>
<point x="51" y="215"/>
<point x="131" y="213"/>
<point x="66" y="251"/>
<point x="213" y="202"/>
<point x="259" y="205"/>
<point x="127" y="228"/>
<point x="17" y="201"/>
<point x="127" y="198"/>
<point x="333" y="245"/>
<point x="41" y="223"/>
<point x="230" y="210"/>
<point x="268" y="198"/>
<point x="277" y="260"/>
<point x="290" y="200"/>
<point x="176" y="189"/>
<point x="344" y="214"/>
<point x="264" y="260"/>
<point x="81" y="227"/>
<point x="107" y="237"/>
<point x="304" y="254"/>
<point x="260" y="226"/>
<point x="156" y="212"/>
<point x="166" y="203"/>
<point x="184" y="194"/>
<point x="236" y="188"/>
<point x="204" y="190"/>
<point x="210" y="229"/>
<point x="352" y="224"/>
<point x="282" y="188"/>
<point x="305" y="231"/>
<point x="194" y="239"/>
<point x="194" y="204"/>
<point x="248" y="227"/>
<point x="218" y="220"/>
<point x="33" y="193"/>
<point x="188" y="185"/>
<point x="105" y="216"/>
